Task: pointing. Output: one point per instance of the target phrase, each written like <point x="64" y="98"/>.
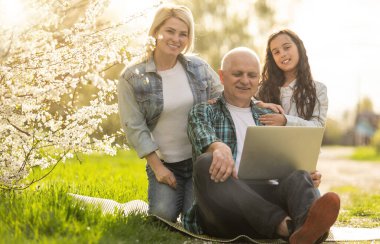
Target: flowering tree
<point x="44" y="65"/>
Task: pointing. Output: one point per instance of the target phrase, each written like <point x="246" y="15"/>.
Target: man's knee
<point x="298" y="176"/>
<point x="203" y="163"/>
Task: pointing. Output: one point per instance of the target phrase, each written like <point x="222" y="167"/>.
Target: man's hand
<point x="222" y="165"/>
<point x="316" y="177"/>
<point x="163" y="174"/>
<point x="272" y="106"/>
<point x="273" y="119"/>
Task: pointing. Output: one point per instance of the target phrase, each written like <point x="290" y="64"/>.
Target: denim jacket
<point x="141" y="102"/>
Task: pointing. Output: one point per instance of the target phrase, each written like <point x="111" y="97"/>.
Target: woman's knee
<point x="161" y="209"/>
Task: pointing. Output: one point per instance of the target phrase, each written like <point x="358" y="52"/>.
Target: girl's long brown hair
<point x="305" y="95"/>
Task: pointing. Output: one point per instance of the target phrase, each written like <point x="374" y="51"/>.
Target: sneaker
<point x="321" y="216"/>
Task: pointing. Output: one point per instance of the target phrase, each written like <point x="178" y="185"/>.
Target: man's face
<point x="240" y="77"/>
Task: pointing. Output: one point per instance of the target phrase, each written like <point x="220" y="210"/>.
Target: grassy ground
<point x="366" y="153"/>
<point x="44" y="213"/>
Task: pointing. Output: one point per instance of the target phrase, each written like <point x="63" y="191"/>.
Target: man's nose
<point x="244" y="79"/>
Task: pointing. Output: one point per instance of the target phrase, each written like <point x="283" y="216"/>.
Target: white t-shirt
<point x="242" y="118"/>
<point x="170" y="132"/>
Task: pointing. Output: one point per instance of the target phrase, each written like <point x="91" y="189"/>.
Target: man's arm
<point x="203" y="137"/>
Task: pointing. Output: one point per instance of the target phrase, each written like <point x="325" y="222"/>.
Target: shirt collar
<point x="293" y="84"/>
<point x="224" y="102"/>
<point x="151" y="66"/>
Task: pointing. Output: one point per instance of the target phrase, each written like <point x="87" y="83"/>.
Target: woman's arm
<point x="133" y="121"/>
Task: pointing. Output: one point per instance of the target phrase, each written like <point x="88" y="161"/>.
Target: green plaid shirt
<point x="210" y="123"/>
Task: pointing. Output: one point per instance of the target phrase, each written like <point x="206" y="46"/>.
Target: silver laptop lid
<point x="273" y="152"/>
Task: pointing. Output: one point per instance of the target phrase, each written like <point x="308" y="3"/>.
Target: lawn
<point x="44" y="213"/>
<point x="366" y="153"/>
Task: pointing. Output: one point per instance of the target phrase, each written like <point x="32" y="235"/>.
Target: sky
<point x="342" y="39"/>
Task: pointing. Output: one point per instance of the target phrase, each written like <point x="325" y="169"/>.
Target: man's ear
<point x="220" y="72"/>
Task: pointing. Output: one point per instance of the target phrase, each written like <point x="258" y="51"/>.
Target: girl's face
<point x="172" y="37"/>
<point x="285" y="53"/>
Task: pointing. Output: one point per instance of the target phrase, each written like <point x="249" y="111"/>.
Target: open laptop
<point x="272" y="152"/>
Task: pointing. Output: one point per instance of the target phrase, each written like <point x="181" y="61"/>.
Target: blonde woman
<point x="155" y="97"/>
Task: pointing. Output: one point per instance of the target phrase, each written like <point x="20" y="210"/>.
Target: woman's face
<point x="285" y="53"/>
<point x="172" y="37"/>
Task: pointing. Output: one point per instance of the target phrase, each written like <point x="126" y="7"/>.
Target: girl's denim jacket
<point x="141" y="102"/>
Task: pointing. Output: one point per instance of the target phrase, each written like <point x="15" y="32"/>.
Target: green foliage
<point x="220" y="28"/>
<point x="365" y="105"/>
<point x="366" y="153"/>
<point x="375" y="141"/>
<point x="333" y="133"/>
<point x="45" y="213"/>
<point x="360" y="209"/>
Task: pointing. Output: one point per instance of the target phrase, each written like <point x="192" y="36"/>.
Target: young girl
<point x="287" y="80"/>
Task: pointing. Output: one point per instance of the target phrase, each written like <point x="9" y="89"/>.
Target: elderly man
<point x="226" y="206"/>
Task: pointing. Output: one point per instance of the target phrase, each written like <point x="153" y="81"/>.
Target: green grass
<point x="366" y="153"/>
<point x="45" y="213"/>
<point x="360" y="209"/>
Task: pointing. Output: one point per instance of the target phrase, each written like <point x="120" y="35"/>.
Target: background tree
<point x="333" y="133"/>
<point x="45" y="64"/>
<point x="223" y="24"/>
<point x="365" y="105"/>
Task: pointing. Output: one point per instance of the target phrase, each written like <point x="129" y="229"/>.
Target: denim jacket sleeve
<point x="133" y="120"/>
<point x="319" y="116"/>
<point x="216" y="86"/>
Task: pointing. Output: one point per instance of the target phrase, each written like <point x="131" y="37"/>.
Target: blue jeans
<point x="165" y="201"/>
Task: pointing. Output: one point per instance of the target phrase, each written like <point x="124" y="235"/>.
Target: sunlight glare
<point x="123" y="9"/>
<point x="12" y="13"/>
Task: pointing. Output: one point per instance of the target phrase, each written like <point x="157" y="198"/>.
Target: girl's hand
<point x="273" y="119"/>
<point x="272" y="106"/>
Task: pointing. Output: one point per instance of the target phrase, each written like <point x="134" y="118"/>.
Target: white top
<point x="242" y="118"/>
<point x="170" y="131"/>
<point x="319" y="116"/>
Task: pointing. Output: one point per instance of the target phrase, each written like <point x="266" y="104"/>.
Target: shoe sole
<point x="321" y="216"/>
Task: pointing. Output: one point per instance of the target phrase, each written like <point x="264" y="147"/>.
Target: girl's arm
<point x="319" y="116"/>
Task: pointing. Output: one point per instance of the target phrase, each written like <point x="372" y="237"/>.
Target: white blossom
<point x="44" y="64"/>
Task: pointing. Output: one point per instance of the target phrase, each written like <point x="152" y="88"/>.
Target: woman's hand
<point x="211" y="101"/>
<point x="163" y="174"/>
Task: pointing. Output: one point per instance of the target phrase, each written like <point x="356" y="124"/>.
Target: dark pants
<point x="237" y="207"/>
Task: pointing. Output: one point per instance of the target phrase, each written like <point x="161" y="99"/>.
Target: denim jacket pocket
<point x="149" y="104"/>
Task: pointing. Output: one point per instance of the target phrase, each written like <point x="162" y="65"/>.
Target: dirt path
<point x="338" y="171"/>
